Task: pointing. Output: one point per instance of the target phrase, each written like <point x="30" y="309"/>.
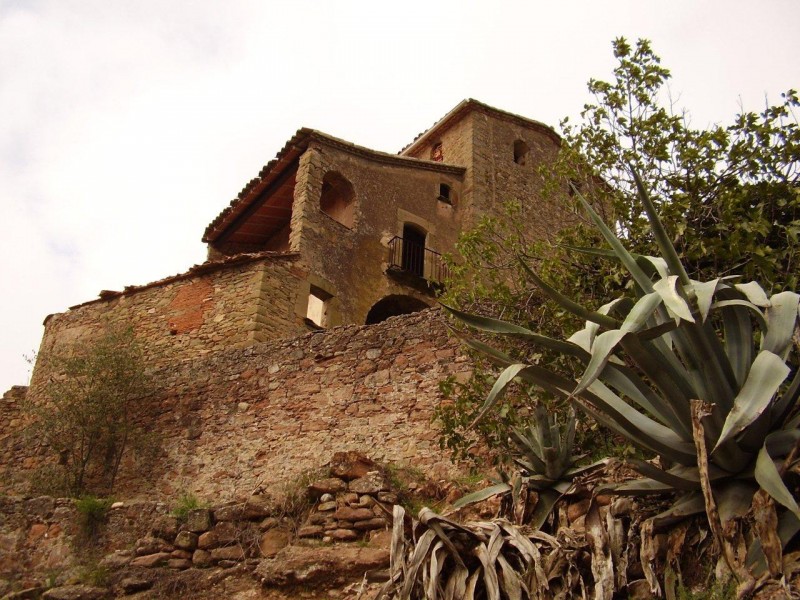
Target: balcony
<point x="415" y="265"/>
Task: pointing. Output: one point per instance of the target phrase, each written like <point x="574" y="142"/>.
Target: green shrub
<point x="92" y="514"/>
<point x="186" y="502"/>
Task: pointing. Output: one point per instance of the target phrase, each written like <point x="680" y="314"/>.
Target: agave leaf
<point x="754" y="293"/>
<point x="787" y="401"/>
<point x="788" y="526"/>
<point x="659" y="438"/>
<point x="490" y="581"/>
<point x="734" y="499"/>
<point x="496" y="356"/>
<point x="662" y="239"/>
<point x="651" y="265"/>
<point x="628" y="261"/>
<point x="677" y="482"/>
<point x="512" y="584"/>
<point x="576" y="471"/>
<point x="497" y="326"/>
<point x="770" y="480"/>
<point x="481" y="495"/>
<point x="416" y="561"/>
<point x="658" y="264"/>
<point x="566" y="303"/>
<point x="628" y="383"/>
<point x="688" y="504"/>
<point x="544" y="506"/>
<point x="569" y="439"/>
<point x="604" y="345"/>
<point x="456" y="587"/>
<point x="704" y="293"/>
<point x="660" y="365"/>
<point x="472" y="584"/>
<point x="738" y="331"/>
<point x="766" y="375"/>
<point x="756" y="312"/>
<point x="638" y="487"/>
<point x="781" y="318"/>
<point x="780" y="443"/>
<point x="675" y="303"/>
<point x="498" y="389"/>
<point x="435" y="565"/>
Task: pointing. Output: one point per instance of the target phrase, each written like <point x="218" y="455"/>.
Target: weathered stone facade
<point x="328" y="234"/>
<point x="358" y="234"/>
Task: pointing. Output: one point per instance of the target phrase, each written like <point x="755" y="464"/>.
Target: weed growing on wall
<point x="92" y="514"/>
<point x="94" y="413"/>
<point x="186" y="503"/>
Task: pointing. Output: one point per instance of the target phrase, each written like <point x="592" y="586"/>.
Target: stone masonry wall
<point x="351" y="262"/>
<point x="235" y="418"/>
<point x="204" y="311"/>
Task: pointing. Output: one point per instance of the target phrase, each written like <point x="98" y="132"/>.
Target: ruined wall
<point x="350" y="262"/>
<point x="232" y="303"/>
<point x="234" y="418"/>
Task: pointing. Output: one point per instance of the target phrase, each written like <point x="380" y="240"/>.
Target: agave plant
<point x="722" y="344"/>
<point x="544" y="455"/>
<point x="480" y="560"/>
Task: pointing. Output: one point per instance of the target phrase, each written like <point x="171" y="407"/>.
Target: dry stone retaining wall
<point x="233" y="419"/>
<point x="273" y="411"/>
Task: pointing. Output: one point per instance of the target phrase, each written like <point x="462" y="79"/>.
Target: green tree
<point x="728" y="194"/>
<point x="95" y="411"/>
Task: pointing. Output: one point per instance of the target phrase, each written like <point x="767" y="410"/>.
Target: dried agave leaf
<point x="602" y="563"/>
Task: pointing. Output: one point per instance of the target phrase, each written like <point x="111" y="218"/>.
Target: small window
<point x="337" y="198"/>
<point x="445" y="193"/>
<point x="436" y="152"/>
<point x="318" y="305"/>
<point x="520" y="152"/>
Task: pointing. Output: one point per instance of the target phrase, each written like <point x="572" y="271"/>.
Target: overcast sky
<point x="126" y="126"/>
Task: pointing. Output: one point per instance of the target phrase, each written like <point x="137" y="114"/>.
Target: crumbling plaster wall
<point x="350" y="263"/>
<point x="234" y="418"/>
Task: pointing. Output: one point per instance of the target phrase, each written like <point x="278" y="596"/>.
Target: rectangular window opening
<point x="318" y="305"/>
<point x="444" y="193"/>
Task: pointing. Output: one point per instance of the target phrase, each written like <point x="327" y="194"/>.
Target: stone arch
<point x="392" y="306"/>
<point x="337" y="199"/>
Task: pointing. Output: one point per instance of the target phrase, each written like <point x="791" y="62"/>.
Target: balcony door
<point x="413" y="259"/>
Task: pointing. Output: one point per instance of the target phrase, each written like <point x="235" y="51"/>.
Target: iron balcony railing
<point x="416" y="259"/>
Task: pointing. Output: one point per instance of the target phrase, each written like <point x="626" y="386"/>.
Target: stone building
<point x="331" y="233"/>
<point x="328" y="234"/>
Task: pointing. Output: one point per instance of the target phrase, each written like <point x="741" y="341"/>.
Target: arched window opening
<point x="445" y="193"/>
<point x="392" y="306"/>
<point x="436" y="152"/>
<point x="413" y="259"/>
<point x="337" y="199"/>
<point x="520" y="152"/>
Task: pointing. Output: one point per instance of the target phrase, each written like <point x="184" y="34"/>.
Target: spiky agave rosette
<point x="723" y="343"/>
<point x="548" y="466"/>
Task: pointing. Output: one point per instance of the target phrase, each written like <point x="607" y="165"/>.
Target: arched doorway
<point x="391" y="306"/>
<point x="413" y="259"/>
